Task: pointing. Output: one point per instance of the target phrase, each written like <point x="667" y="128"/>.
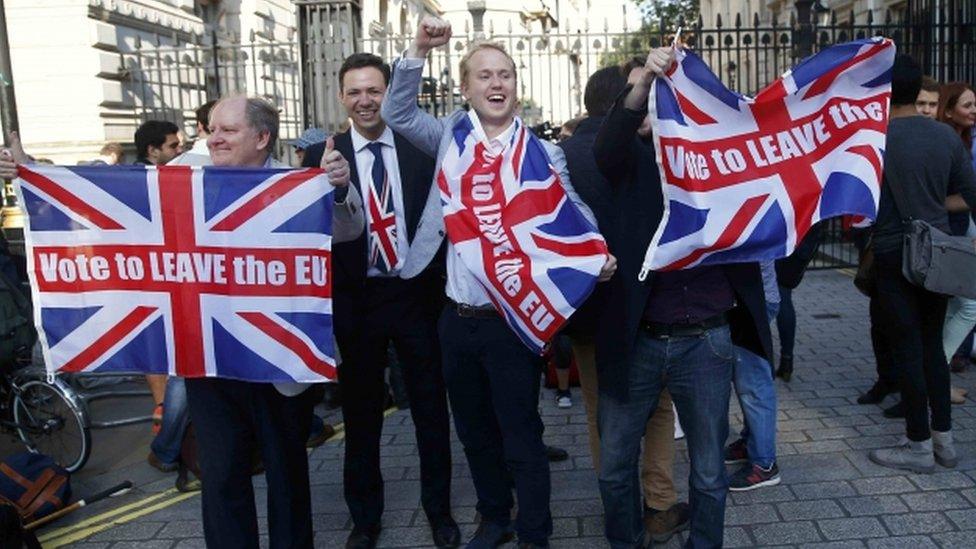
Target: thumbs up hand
<point x="335" y="166"/>
<point x="11" y="157"/>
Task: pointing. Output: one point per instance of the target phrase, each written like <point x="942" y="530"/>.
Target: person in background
<point x="957" y="108"/>
<point x="111" y="153"/>
<point x="199" y="154"/>
<point x="921" y="158"/>
<point x="664" y="515"/>
<point x="789" y="273"/>
<point x="752" y="377"/>
<point x="157" y="142"/>
<point x="927" y="102"/>
<point x="311" y="136"/>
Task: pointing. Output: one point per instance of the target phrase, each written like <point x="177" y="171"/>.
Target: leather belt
<point x="472" y="311"/>
<point x="660" y="330"/>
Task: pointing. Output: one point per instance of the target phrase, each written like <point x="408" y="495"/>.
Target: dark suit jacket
<point x="349" y="258"/>
<point x="593" y="189"/>
<point x="630" y="168"/>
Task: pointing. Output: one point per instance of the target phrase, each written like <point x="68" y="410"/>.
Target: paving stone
<point x="912" y="542"/>
<point x="181" y="529"/>
<point x="849" y="528"/>
<point x="820" y="446"/>
<point x="917" y="523"/>
<point x="873" y="505"/>
<point x="772" y="494"/>
<point x="130" y="531"/>
<point x="782" y="533"/>
<point x="941" y="481"/>
<point x="144" y="544"/>
<point x="817" y="490"/>
<point x="883" y="485"/>
<point x="750" y="514"/>
<point x="964" y="519"/>
<point x="735" y="537"/>
<point x="811" y="509"/>
<point x="846" y="544"/>
<point x="935" y="501"/>
<point x="953" y="540"/>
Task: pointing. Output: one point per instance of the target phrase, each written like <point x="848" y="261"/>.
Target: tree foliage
<point x="655" y="11"/>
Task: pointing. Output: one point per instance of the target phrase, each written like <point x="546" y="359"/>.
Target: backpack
<point x="17" y="333"/>
<point x="35" y="484"/>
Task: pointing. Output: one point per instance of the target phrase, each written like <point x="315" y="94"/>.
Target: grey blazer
<point x="433" y="136"/>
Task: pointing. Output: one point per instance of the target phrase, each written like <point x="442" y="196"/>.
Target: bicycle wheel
<point x="48" y="422"/>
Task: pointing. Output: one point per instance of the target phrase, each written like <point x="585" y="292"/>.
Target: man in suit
<point x="674" y="331"/>
<point x="491" y="376"/>
<point x="663" y="514"/>
<point x="376" y="303"/>
<point x="234" y="418"/>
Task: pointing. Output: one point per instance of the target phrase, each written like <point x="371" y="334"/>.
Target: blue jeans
<point x="786" y="322"/>
<point x="176" y="415"/>
<point x="753" y="378"/>
<point x="698" y="373"/>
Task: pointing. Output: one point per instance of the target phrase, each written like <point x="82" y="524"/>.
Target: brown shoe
<point x="158" y="464"/>
<point x="328" y="432"/>
<point x="661" y="525"/>
<point x="957" y="395"/>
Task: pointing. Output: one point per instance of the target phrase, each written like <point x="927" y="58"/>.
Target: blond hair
<point x="479" y="46"/>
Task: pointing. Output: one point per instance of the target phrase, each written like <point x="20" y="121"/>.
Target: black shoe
<point x="490" y="535"/>
<point x="556" y="454"/>
<point x="363" y="538"/>
<point x="445" y="531"/>
<point x="785" y="370"/>
<point x="876" y="394"/>
<point x="896" y="411"/>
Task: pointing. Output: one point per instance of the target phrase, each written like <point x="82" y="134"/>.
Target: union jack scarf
<point x="515" y="229"/>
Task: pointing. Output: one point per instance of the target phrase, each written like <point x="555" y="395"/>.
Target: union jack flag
<point x="745" y="178"/>
<point x="516" y="230"/>
<point x="215" y="272"/>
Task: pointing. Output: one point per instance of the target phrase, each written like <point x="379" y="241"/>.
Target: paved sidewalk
<point x="831" y="495"/>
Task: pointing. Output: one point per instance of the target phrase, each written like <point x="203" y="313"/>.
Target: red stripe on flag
<point x="292" y="342"/>
<point x="256" y="204"/>
<point x="823" y="82"/>
<point x="111" y="337"/>
<point x="71" y="201"/>
<point x="696" y="115"/>
<point x="572" y="249"/>
<point x="732" y="232"/>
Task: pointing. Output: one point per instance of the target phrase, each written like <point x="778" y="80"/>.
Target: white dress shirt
<point x="364" y="167"/>
<point x="462" y="285"/>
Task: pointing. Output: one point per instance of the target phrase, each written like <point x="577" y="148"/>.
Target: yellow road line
<point x="340" y="428"/>
<point x="122" y="515"/>
<point x="79" y="535"/>
<point x="104" y="516"/>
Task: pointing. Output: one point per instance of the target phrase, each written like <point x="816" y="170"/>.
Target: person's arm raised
<point x="400" y="110"/>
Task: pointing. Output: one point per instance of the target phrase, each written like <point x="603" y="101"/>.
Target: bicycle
<point x="47" y="415"/>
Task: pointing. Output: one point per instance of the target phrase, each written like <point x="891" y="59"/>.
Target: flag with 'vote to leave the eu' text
<point x="745" y="178"/>
<point x="196" y="272"/>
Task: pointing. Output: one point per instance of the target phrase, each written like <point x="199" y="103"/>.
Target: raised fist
<point x="432" y="32"/>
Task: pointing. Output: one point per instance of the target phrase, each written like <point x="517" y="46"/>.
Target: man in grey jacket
<point x="492" y="378"/>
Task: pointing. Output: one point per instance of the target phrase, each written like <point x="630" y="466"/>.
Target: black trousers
<point x="402" y="312"/>
<point x="912" y="319"/>
<point x="231" y="419"/>
<point x="493" y="381"/>
<point x="884" y="361"/>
